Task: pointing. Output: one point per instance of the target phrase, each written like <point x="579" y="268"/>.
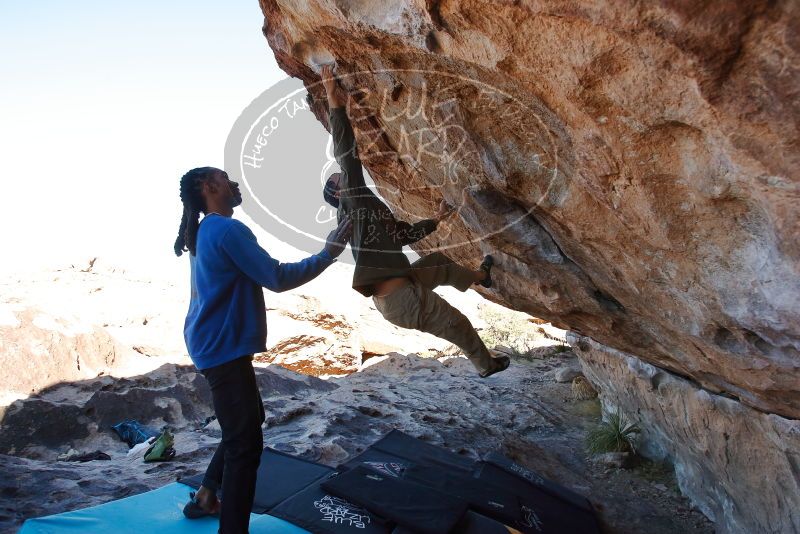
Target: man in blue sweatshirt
<point x="226" y="324"/>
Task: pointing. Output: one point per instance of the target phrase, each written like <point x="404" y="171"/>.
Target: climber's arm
<point x="411" y="233"/>
<point x="407" y="234"/>
<point x="344" y="141"/>
<point x="346" y="153"/>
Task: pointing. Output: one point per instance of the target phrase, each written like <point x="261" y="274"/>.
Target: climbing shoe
<point x="193" y="510"/>
<point x="501" y="363"/>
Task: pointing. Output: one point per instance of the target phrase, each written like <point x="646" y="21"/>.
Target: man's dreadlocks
<point x="193" y="204"/>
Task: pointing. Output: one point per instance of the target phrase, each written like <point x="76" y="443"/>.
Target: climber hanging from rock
<point x="402" y="291"/>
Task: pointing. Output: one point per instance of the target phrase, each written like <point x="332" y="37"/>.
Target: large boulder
<point x="632" y="166"/>
<point x="738" y="465"/>
<point x="40" y="349"/>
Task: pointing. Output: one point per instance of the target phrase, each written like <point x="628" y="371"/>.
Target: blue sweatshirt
<point x="227" y="317"/>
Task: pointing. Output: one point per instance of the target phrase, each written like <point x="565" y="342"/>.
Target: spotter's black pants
<point x="233" y="468"/>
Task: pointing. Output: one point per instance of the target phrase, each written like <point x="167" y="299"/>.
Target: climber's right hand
<point x="328" y="79"/>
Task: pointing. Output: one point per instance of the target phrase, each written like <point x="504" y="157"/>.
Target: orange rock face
<point x="632" y="166"/>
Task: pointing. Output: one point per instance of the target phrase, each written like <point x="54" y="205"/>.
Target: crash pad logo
<point x="528" y="475"/>
<point x="388" y="468"/>
<point x="340" y="512"/>
<point x="437" y="134"/>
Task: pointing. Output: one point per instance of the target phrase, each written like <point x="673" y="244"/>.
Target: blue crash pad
<point x="160" y="510"/>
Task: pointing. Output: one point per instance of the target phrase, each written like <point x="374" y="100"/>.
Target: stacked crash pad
<point x="399" y="485"/>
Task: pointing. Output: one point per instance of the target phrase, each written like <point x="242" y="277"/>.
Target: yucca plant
<point x="615" y="435"/>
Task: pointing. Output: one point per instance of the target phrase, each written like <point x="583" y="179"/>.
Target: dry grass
<point x="517" y="332"/>
<point x="582" y="389"/>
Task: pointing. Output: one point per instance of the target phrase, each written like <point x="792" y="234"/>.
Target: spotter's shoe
<point x="193" y="510"/>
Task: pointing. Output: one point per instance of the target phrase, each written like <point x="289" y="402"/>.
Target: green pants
<point x="417" y="306"/>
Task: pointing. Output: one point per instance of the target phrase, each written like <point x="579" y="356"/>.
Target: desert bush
<point x="615" y="435"/>
<point x="582" y="389"/>
<point x="510" y="329"/>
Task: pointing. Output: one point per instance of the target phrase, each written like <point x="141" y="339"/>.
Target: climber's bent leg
<point x="436" y="270"/>
<point x="415" y="306"/>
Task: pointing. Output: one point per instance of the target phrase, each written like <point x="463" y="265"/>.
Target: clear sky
<point x="103" y="106"/>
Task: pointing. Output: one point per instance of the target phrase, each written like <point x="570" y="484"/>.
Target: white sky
<point x="103" y="106"/>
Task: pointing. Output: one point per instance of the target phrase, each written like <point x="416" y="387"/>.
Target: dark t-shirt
<point x="378" y="238"/>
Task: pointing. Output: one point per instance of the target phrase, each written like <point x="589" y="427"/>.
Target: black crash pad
<point x="492" y="501"/>
<point x="471" y="523"/>
<point x="379" y="461"/>
<point x="418" y="507"/>
<point x="542" y="511"/>
<point x="557" y="490"/>
<point x="404" y="485"/>
<point x="320" y="512"/>
<point x="279" y="477"/>
<point x="419" y="452"/>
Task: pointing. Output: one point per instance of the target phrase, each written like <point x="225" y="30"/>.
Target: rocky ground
<point x="523" y="413"/>
<point x="432" y="393"/>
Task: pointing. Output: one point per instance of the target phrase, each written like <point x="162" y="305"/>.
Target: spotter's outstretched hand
<point x="338" y="238"/>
